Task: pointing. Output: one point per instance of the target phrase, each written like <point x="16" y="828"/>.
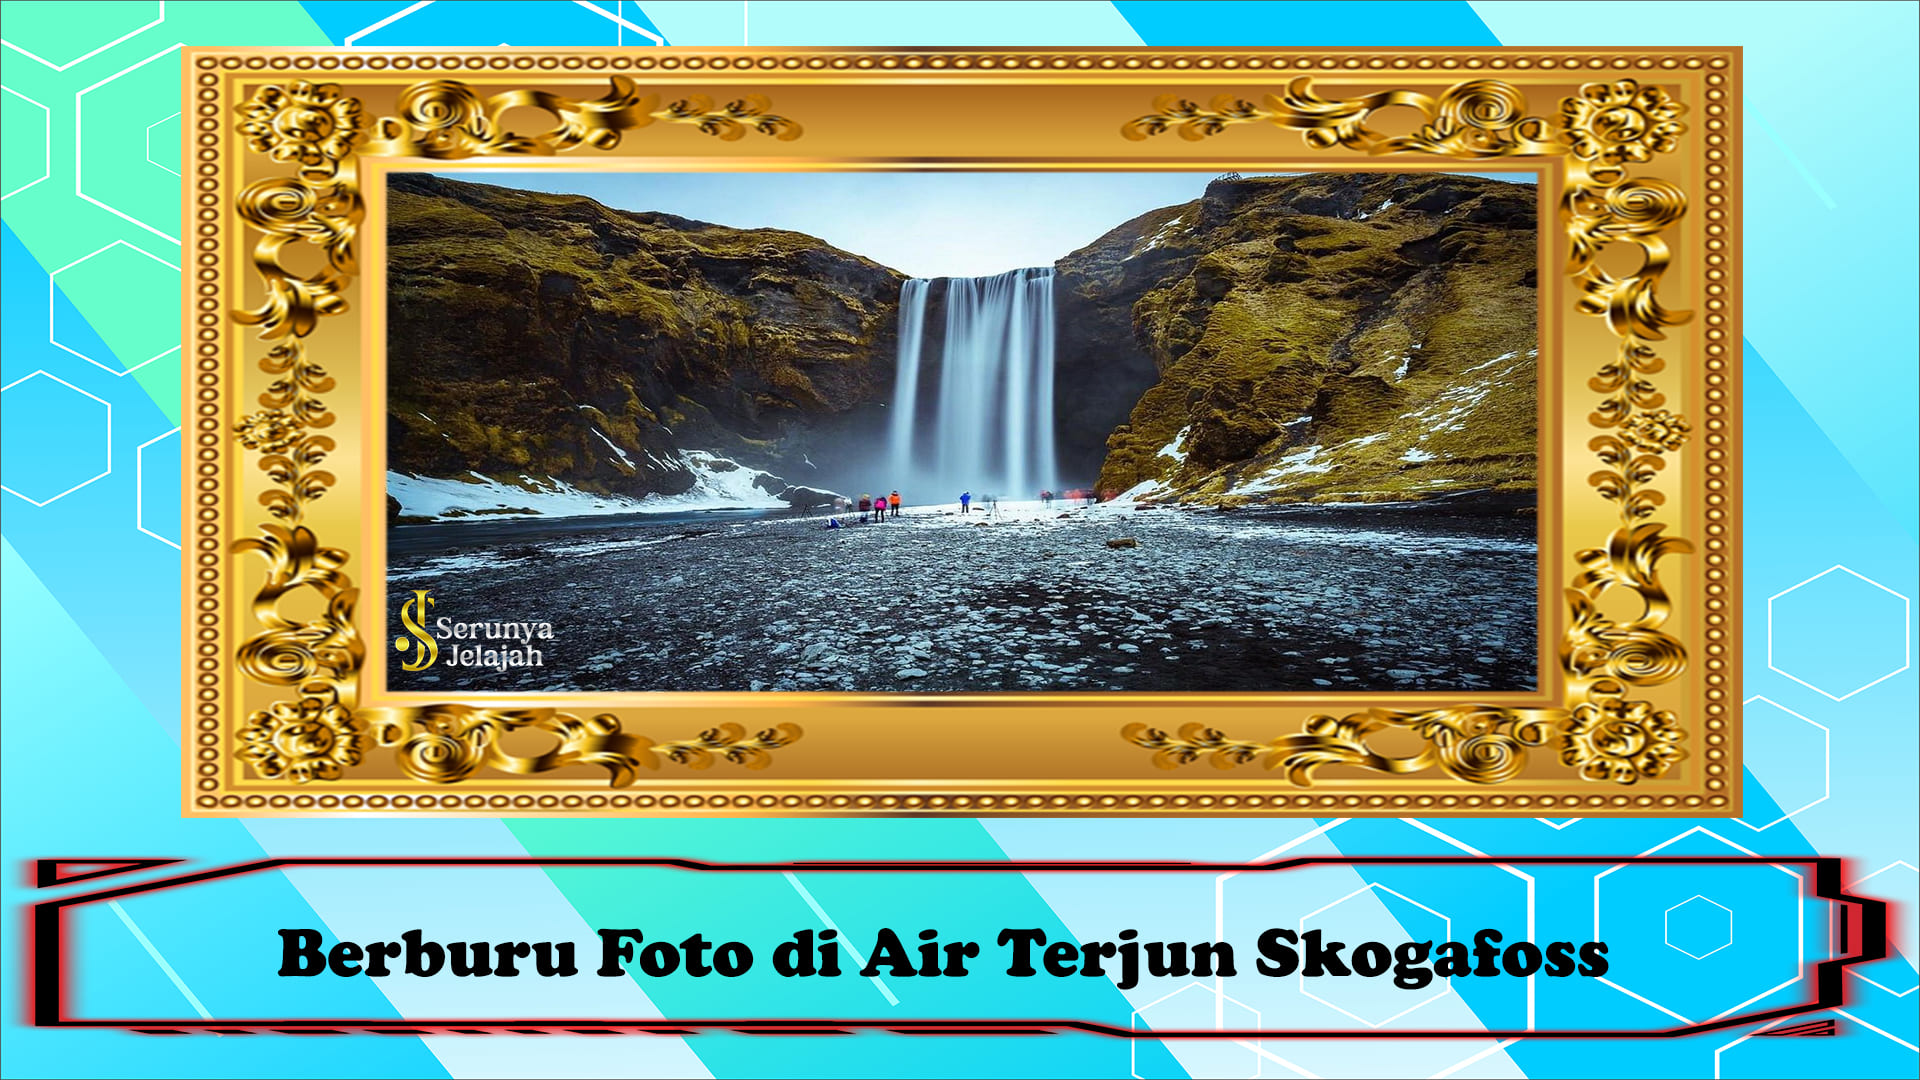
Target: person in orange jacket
<point x="893" y="504"/>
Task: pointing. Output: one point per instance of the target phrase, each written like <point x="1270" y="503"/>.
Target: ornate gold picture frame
<point x="1636" y="155"/>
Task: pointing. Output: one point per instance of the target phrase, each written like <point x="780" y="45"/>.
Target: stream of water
<point x="988" y="426"/>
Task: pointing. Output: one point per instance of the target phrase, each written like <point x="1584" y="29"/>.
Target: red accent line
<point x="50" y="872"/>
<point x="49" y="942"/>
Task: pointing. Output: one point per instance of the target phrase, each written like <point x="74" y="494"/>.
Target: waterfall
<point x="906" y="378"/>
<point x="992" y="416"/>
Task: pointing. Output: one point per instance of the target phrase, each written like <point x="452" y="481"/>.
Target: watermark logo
<point x="498" y="645"/>
<point x="413" y="615"/>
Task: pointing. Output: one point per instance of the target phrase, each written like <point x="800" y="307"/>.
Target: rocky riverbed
<point x="1022" y="598"/>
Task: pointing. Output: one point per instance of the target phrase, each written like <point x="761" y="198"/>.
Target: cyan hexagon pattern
<point x="1839" y="632"/>
<point x="1375" y="913"/>
<point x="140" y="288"/>
<point x="1199" y="1006"/>
<point x="55" y="438"/>
<point x="1699" y="927"/>
<point x="1788" y="758"/>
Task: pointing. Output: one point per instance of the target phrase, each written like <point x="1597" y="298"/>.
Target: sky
<point x="923" y="224"/>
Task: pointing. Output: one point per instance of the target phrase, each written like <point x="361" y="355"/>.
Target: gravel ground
<point x="1360" y="600"/>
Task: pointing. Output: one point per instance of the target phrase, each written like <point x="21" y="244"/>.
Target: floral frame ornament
<point x="1637" y="155"/>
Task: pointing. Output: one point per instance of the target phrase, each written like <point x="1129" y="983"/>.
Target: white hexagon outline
<point x="1446" y="984"/>
<point x="1854" y="971"/>
<point x="150" y="128"/>
<point x="52" y="286"/>
<point x="1532" y="885"/>
<point x="1826" y="764"/>
<point x="353" y="39"/>
<point x="1666" y="927"/>
<point x="1906" y="630"/>
<point x="1475" y="1058"/>
<point x="77" y="390"/>
<point x="1801" y="1019"/>
<point x="1220" y="925"/>
<point x="157" y="20"/>
<point x="140" y="488"/>
<point x="79" y="144"/>
<point x="1220" y="997"/>
<point x="46" y="166"/>
<point x="623" y="21"/>
<point x="1800" y="911"/>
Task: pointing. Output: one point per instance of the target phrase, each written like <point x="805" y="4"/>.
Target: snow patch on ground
<point x="624" y="459"/>
<point x="1158" y="237"/>
<point x="441" y="566"/>
<point x="1490" y="363"/>
<point x="435" y="497"/>
<point x="1302" y="462"/>
<point x="1145" y="489"/>
<point x="719" y="484"/>
<point x="1177" y="448"/>
<point x="1449" y="408"/>
<point x="1259" y="485"/>
<point x="1415" y="456"/>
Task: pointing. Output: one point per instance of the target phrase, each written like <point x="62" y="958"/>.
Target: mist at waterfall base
<point x="973" y="405"/>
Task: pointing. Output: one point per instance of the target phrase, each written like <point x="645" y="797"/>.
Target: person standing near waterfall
<point x="966" y="497"/>
<point x="893" y="503"/>
<point x="879" y="508"/>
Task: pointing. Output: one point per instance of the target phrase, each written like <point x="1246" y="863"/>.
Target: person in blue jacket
<point x="966" y="498"/>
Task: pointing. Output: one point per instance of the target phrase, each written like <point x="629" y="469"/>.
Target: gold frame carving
<point x="1635" y="152"/>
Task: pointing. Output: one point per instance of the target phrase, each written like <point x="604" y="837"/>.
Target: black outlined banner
<point x="1312" y="947"/>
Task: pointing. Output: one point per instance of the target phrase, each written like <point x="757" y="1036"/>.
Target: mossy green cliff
<point x="536" y="336"/>
<point x="1322" y="338"/>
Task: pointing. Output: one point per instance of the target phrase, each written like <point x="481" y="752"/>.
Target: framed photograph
<point x="705" y="431"/>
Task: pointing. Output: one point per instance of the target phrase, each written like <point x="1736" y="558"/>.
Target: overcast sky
<point x="925" y="224"/>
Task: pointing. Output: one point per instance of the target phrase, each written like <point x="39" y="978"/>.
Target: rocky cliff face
<point x="1101" y="365"/>
<point x="537" y="338"/>
<point x="1325" y="338"/>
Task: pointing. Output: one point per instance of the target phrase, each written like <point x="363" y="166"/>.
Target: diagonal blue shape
<point x="70" y="328"/>
<point x="1805" y="510"/>
<point x="1855" y="374"/>
<point x="456" y="23"/>
<point x="841" y="23"/>
<point x="971" y="909"/>
<point x="120" y="587"/>
<point x="44" y="814"/>
<point x="1346" y="23"/>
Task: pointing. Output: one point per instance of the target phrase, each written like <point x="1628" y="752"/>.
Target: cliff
<point x="538" y="339"/>
<point x="1324" y="338"/>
